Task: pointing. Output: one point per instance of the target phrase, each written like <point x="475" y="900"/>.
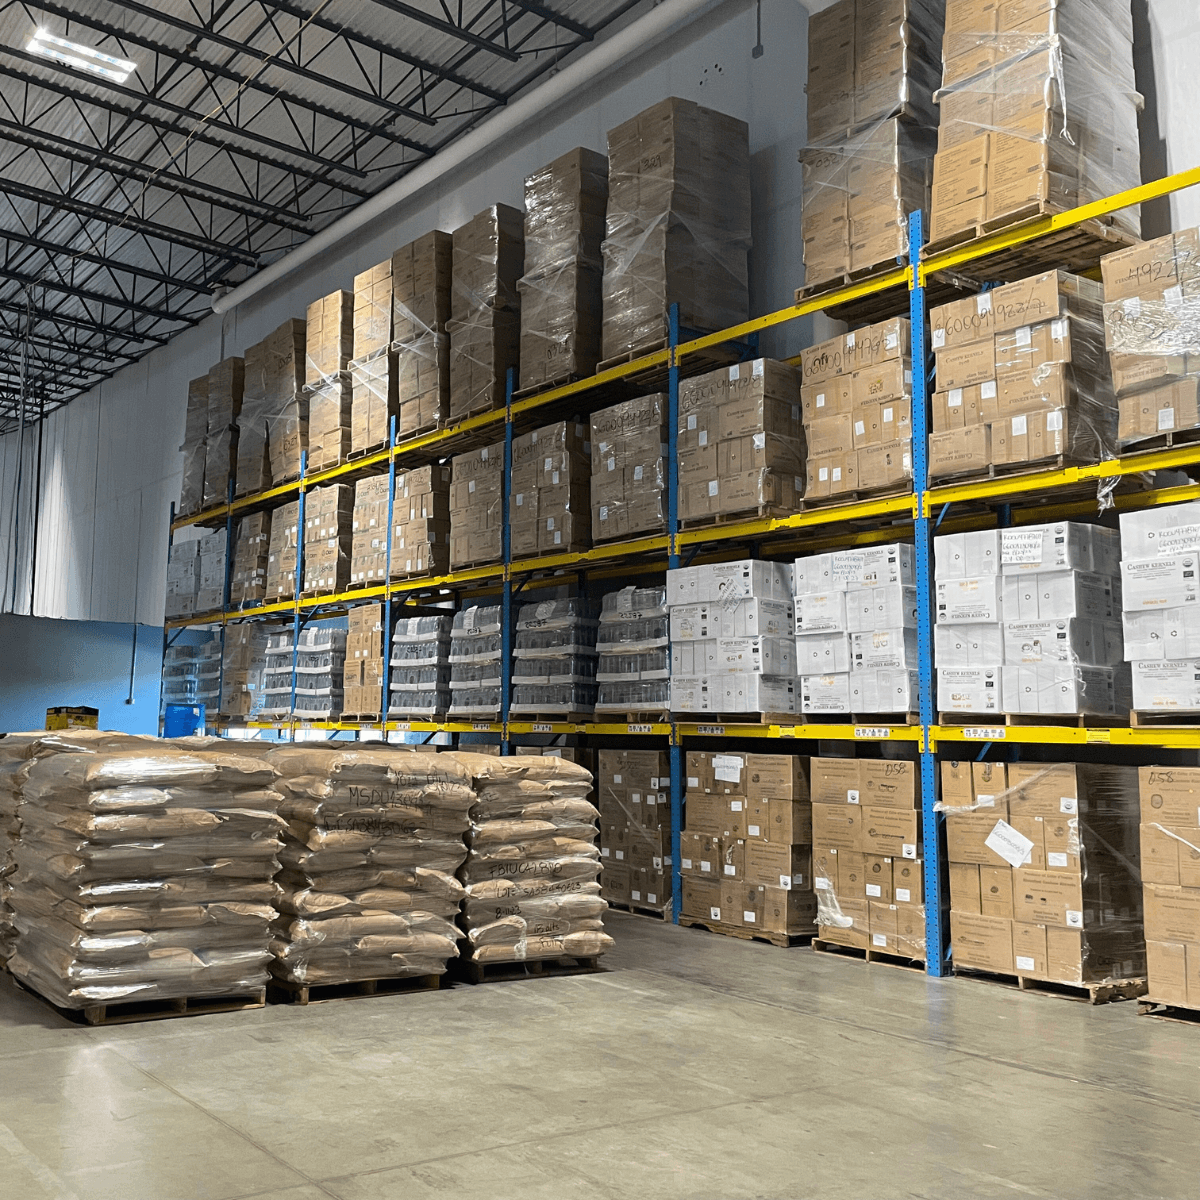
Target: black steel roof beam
<point x="201" y="124"/>
<point x="447" y="27"/>
<point x="40" y="362"/>
<point x="261" y="56"/>
<point x="80" y="352"/>
<point x="129" y="336"/>
<point x="115" y="164"/>
<point x="540" y="10"/>
<point x="135" y="224"/>
<point x="92" y="297"/>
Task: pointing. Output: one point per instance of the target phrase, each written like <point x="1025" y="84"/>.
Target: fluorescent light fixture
<point x="83" y="58"/>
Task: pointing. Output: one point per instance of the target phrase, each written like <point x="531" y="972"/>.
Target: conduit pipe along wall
<point x="645" y="33"/>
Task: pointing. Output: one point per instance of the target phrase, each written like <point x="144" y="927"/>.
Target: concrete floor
<point x="697" y="1066"/>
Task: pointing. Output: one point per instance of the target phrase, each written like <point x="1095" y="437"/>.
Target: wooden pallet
<point x="824" y="503"/>
<point x="657" y="717"/>
<point x="715" y="520"/>
<point x="536" y="389"/>
<point x="745" y="718"/>
<point x="362" y="718"/>
<point x="1171" y="719"/>
<point x="1017" y="720"/>
<point x="1165" y="1011"/>
<point x="746" y="934"/>
<point x="471" y="971"/>
<point x="861" y="719"/>
<point x="1006" y="471"/>
<point x="155" y="1010"/>
<point x="365" y="451"/>
<point x="868" y="954"/>
<point x="638" y="910"/>
<point x="620" y="360"/>
<point x="1087" y="993"/>
<point x="867" y="309"/>
<point x="285" y="991"/>
<point x="560" y="718"/>
<point x="1161" y="441"/>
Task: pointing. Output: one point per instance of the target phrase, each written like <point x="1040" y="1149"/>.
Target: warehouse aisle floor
<point x="697" y="1066"/>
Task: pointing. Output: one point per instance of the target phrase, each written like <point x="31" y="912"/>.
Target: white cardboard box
<point x="885" y="691"/>
<point x="888" y="606"/>
<point x="822" y="653"/>
<point x="968" y="645"/>
<point x="1058" y="595"/>
<point x="966" y="555"/>
<point x="1166" y="582"/>
<point x="823" y="612"/>
<point x="1153" y="532"/>
<point x="1161" y="633"/>
<point x="884" y="649"/>
<point x="825" y="693"/>
<point x="754" y="656"/>
<point x="730" y="581"/>
<point x="757" y="694"/>
<point x="973" y="600"/>
<point x="1057" y="689"/>
<point x="1062" y="545"/>
<point x="693" y="694"/>
<point x="816" y="573"/>
<point x="1172" y="683"/>
<point x="893" y="563"/>
<point x="1075" y="641"/>
<point x="970" y="690"/>
<point x="753" y="617"/>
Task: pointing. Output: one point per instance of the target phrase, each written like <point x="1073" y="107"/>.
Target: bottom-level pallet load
<point x="1093" y="992"/>
<point x="633" y="794"/>
<point x="750" y="933"/>
<point x="471" y="970"/>
<point x="283" y="991"/>
<point x="868" y="954"/>
<point x="163" y="1009"/>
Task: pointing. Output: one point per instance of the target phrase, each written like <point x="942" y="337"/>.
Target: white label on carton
<point x="1068" y="804"/>
<point x="634" y="895"/>
<point x="651" y="897"/>
<point x="939" y="338"/>
<point x="1074" y="919"/>
<point x="712" y="487"/>
<point x="1166" y="418"/>
<point x="760" y="441"/>
<point x="823" y="474"/>
<point x="730" y="869"/>
<point x="612" y="462"/>
<point x="756" y="371"/>
<point x="822" y="883"/>
<point x="728" y="769"/>
<point x="733" y="373"/>
<point x="859" y="428"/>
<point x="785" y="882"/>
<point x="891" y="341"/>
<point x="1056" y="859"/>
<point x="693" y="781"/>
<point x="702" y="437"/>
<point x="748" y="917"/>
<point x="849" y="341"/>
<point x="983" y="303"/>
<point x="1059" y="328"/>
<point x="879" y="939"/>
<point x="735" y="806"/>
<point x="470" y="485"/>
<point x="1024" y="964"/>
<point x="691" y="421"/>
<point x="1054" y="420"/>
<point x="852" y="795"/>
<point x="987" y="391"/>
<point x="903" y="895"/>
<point x="604" y="852"/>
<point x="706" y="867"/>
<point x="637" y="473"/>
<point x="620" y="854"/>
<point x="985" y="801"/>
<point x="714" y="914"/>
<point x="908" y="850"/>
<point x="1020" y="426"/>
<point x="820" y="399"/>
<point x="1020" y="545"/>
<point x="686" y="863"/>
<point x="888" y="415"/>
<point x="616" y="779"/>
<point x="1024" y="336"/>
<point x="873" y="889"/>
<point x="1012" y="845"/>
<point x="837" y="474"/>
<point x="753" y="831"/>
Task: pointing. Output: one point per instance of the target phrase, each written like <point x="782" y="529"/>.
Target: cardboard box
<point x="778" y="864"/>
<point x="982" y="942"/>
<point x="835" y="781"/>
<point x="888" y="832"/>
<point x="838" y="826"/>
<point x="701" y="898"/>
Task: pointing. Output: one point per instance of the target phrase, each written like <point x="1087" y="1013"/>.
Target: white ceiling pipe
<point x="640" y="36"/>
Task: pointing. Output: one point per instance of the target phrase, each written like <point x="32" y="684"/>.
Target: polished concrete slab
<point x="696" y="1068"/>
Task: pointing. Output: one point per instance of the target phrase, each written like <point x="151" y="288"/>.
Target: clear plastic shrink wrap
<point x="195" y="438"/>
<point x="532" y="868"/>
<point x="372" y="841"/>
<point x="224" y="404"/>
<point x="678" y="225"/>
<point x="548" y="508"/>
<point x="282" y="552"/>
<point x="273" y="426"/>
<point x="475" y="668"/>
<point x="1044" y="877"/>
<point x="329" y="344"/>
<point x="554" y="658"/>
<point x="477" y="507"/>
<point x="1038" y="112"/>
<point x="14" y="753"/>
<point x="251" y="561"/>
<point x="633" y="669"/>
<point x="144" y="872"/>
<point x="629" y="468"/>
<point x="420" y="667"/>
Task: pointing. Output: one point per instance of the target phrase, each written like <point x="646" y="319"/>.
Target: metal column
<point x="506" y="630"/>
<point x="937" y="930"/>
<point x="299" y="583"/>
<point x="226" y="594"/>
<point x="386" y="697"/>
<point x="676" y="751"/>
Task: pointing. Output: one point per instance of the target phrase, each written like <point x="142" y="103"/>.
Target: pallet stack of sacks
<point x="533" y="865"/>
<point x="867" y="861"/>
<point x="1022" y="378"/>
<point x="145" y="873"/>
<point x="1028" y="622"/>
<point x="856" y="630"/>
<point x="372" y="843"/>
<point x="14" y="754"/>
<point x="634" y="796"/>
<point x="856" y="400"/>
<point x="1043" y="870"/>
<point x="746" y="853"/>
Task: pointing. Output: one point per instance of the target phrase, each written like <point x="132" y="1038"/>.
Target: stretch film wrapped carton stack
<point x="856" y="404"/>
<point x="475" y="667"/>
<point x="731" y="644"/>
<point x="283" y="552"/>
<point x="856" y="630"/>
<point x="183" y="566"/>
<point x="1170" y="843"/>
<point x="634" y="796"/>
<point x="867" y="855"/>
<point x="633" y="668"/>
<point x="485" y="309"/>
<point x="1160" y="549"/>
<point x="210" y="572"/>
<point x="319" y="658"/>
<point x="872" y="71"/>
<point x="372" y="844"/>
<point x="629" y="468"/>
<point x="1022" y="377"/>
<point x="477" y="507"/>
<point x="548" y="507"/>
<point x="419" y="672"/>
<point x="225" y="384"/>
<point x="421" y="288"/>
<point x="1028" y="622"/>
<point x="678" y="226"/>
<point x="746" y="850"/>
<point x="328" y="538"/>
<point x="1038" y="112"/>
<point x="243" y="664"/>
<point x="329" y="345"/>
<point x="180" y="682"/>
<point x="362" y="675"/>
<point x="195" y="440"/>
<point x="273" y="426"/>
<point x="554" y="659"/>
<point x="1152" y="332"/>
<point x="533" y="865"/>
<point x="208" y="674"/>
<point x="1043" y="870"/>
<point x="143" y="874"/>
<point x="421" y="522"/>
<point x="740" y="440"/>
<point x="372" y="366"/>
<point x="251" y="560"/>
<point x="560" y="290"/>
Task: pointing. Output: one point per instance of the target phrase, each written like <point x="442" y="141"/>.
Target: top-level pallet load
<point x="273" y="426"/>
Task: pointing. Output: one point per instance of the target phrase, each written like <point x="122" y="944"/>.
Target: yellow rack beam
<point x="1160" y="737"/>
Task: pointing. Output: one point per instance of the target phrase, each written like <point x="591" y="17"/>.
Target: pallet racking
<point x="1011" y="500"/>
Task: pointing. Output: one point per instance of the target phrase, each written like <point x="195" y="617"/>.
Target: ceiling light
<point x="83" y="58"/>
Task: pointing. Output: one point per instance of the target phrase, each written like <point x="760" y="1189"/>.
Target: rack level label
<point x="983" y="733"/>
<point x="482" y="726"/>
<point x="403" y="726"/>
<point x="543" y="727"/>
<point x="639" y="728"/>
<point x="1099" y="735"/>
<point x="712" y="730"/>
<point x="872" y="731"/>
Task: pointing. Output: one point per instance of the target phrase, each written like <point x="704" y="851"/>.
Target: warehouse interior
<point x="551" y="551"/>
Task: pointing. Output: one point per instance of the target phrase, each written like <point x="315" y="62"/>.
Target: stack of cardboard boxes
<point x="183" y="565"/>
<point x="629" y="472"/>
<point x="732" y="650"/>
<point x="419" y="671"/>
<point x="678" y="225"/>
<point x="856" y="400"/>
<point x="372" y="366"/>
<point x="195" y="437"/>
<point x="633" y="793"/>
<point x="1152" y="335"/>
<point x="1028" y="621"/>
<point x="251" y="560"/>
<point x="225" y="383"/>
<point x="872" y="71"/>
<point x="741" y="441"/>
<point x="548" y="506"/>
<point x="369" y="522"/>
<point x="421" y="522"/>
<point x="362" y="675"/>
<point x="1022" y="376"/>
<point x="475" y="663"/>
<point x="1043" y="875"/>
<point x="477" y="507"/>
<point x="1038" y="112"/>
<point x="485" y="316"/>
<point x="1170" y="841"/>
<point x="210" y="571"/>
<point x="560" y="291"/>
<point x="328" y="538"/>
<point x="867" y="862"/>
<point x="633" y="667"/>
<point x="243" y="661"/>
<point x="1159" y="592"/>
<point x="329" y="346"/>
<point x="746" y="850"/>
<point x="421" y="277"/>
<point x="856" y="630"/>
<point x="283" y="552"/>
<point x="273" y="426"/>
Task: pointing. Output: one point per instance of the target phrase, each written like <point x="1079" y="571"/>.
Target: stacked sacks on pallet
<point x="14" y="754"/>
<point x="532" y="873"/>
<point x="373" y="840"/>
<point x="143" y="872"/>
